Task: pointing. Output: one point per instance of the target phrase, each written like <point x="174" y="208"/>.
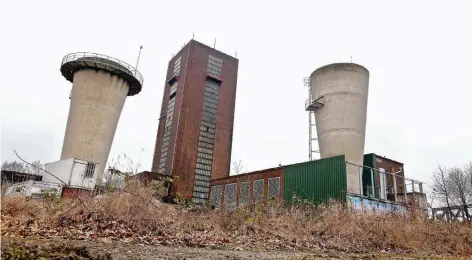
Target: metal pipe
<point x="385" y="172"/>
<point x="372" y="182"/>
<point x="139" y="55"/>
<point x="395" y="187"/>
<point x="361" y="191"/>
<point x="310" y="157"/>
<point x="404" y="192"/>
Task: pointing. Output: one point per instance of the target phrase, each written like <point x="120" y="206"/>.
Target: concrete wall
<point x="361" y="203"/>
<point x="96" y="104"/>
<point x="341" y="122"/>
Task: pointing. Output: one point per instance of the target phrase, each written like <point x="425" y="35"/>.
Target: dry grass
<point x="133" y="215"/>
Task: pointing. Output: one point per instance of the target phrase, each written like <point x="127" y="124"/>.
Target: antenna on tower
<point x="139" y="55"/>
<point x="193" y="35"/>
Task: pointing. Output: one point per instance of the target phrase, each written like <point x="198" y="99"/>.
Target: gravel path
<point x="20" y="248"/>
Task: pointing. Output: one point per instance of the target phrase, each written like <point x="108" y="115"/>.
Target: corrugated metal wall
<point x="369" y="160"/>
<point x="316" y="181"/>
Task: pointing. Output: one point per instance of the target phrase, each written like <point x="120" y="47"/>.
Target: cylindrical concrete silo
<point x="100" y="87"/>
<point x="343" y="89"/>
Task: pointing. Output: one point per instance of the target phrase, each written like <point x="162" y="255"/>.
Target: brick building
<point x="196" y="121"/>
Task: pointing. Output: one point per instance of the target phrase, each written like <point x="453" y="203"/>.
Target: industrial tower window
<point x="214" y="66"/>
<point x="177" y="65"/>
<point x="89" y="170"/>
<point x="173" y="90"/>
<point x="167" y="129"/>
<point x="206" y="137"/>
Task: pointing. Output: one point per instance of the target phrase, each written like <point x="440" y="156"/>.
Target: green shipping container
<point x="316" y="181"/>
<point x="369" y="161"/>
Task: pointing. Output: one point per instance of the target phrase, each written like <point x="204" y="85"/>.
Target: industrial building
<point x="317" y="181"/>
<point x="338" y="95"/>
<point x="195" y="132"/>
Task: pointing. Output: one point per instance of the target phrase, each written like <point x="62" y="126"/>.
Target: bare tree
<point x="14" y="166"/>
<point x="19" y="167"/>
<point x="468" y="173"/>
<point x="34" y="168"/>
<point x="238" y="167"/>
<point x="459" y="187"/>
<point x="441" y="187"/>
<point x="119" y="170"/>
<point x="453" y="186"/>
<point x="114" y="179"/>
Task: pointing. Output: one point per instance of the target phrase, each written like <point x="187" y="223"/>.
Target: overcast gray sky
<point x="418" y="52"/>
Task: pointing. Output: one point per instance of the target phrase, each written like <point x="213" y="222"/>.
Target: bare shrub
<point x="134" y="214"/>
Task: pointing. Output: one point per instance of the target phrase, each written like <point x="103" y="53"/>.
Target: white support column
<point x="395" y="186"/>
<point x="310" y="145"/>
<point x="404" y="190"/>
<point x="372" y="182"/>
<point x="361" y="190"/>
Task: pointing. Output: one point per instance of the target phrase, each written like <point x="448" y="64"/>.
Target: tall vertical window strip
<point x="177" y="66"/>
<point x="167" y="129"/>
<point x="206" y="142"/>
<point x="215" y="66"/>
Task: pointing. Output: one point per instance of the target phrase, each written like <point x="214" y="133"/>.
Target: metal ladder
<point x="311" y="106"/>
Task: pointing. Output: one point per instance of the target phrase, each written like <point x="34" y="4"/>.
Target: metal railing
<point x="308" y="103"/>
<point x="123" y="65"/>
<point x="392" y="187"/>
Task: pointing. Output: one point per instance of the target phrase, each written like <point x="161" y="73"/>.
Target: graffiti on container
<point x="362" y="203"/>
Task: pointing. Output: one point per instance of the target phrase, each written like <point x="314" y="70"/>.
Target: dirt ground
<point x="21" y="248"/>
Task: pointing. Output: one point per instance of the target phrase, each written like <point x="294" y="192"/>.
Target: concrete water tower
<point x="339" y="99"/>
<point x="100" y="85"/>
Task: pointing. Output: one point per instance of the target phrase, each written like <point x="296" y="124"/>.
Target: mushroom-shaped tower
<point x="100" y="85"/>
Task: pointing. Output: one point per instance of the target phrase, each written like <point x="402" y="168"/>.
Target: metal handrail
<point x="308" y="102"/>
<point x="76" y="55"/>
<point x="387" y="173"/>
